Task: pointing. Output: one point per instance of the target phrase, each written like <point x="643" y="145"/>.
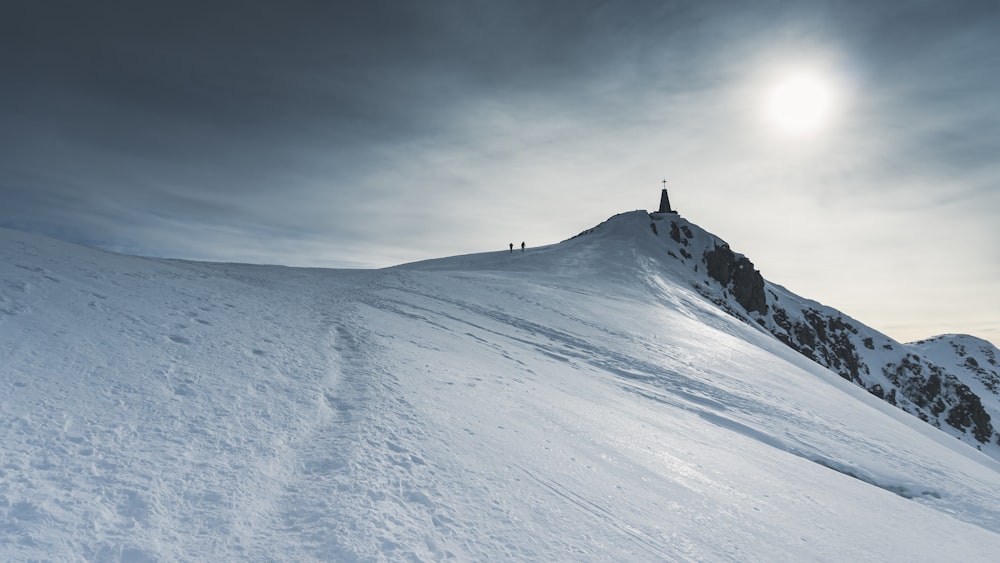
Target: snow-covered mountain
<point x="951" y="381"/>
<point x="590" y="400"/>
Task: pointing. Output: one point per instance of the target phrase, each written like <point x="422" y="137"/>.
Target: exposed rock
<point x="969" y="413"/>
<point x="936" y="394"/>
<point x="932" y="389"/>
<point x="825" y="340"/>
<point x="739" y="276"/>
<point x="675" y="232"/>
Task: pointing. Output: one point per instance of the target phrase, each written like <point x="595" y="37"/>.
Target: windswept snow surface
<point x="572" y="402"/>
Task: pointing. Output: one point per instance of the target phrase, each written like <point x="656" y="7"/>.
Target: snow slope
<point x="575" y="402"/>
<point x="951" y="382"/>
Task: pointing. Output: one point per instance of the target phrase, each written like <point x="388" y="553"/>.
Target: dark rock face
<point x="890" y="371"/>
<point x="738" y="275"/>
<point x="823" y="339"/>
<point x="969" y="413"/>
<point x="932" y="389"/>
<point x="989" y="378"/>
<point x="675" y="233"/>
<point x="917" y="386"/>
<point x="921" y="388"/>
<point x="680" y="233"/>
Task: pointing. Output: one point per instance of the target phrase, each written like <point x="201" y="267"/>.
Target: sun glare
<point x="800" y="103"/>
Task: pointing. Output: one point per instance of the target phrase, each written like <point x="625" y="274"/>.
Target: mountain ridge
<point x="578" y="401"/>
<point x="953" y="391"/>
<point x="956" y="390"/>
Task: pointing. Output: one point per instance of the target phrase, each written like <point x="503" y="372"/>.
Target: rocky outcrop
<point x="939" y="395"/>
<point x="935" y="392"/>
<point x="823" y="339"/>
<point x="739" y="276"/>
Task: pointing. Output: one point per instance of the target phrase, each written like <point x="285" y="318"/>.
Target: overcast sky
<point x="367" y="134"/>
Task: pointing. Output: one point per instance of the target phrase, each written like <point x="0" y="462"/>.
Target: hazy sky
<point x="366" y="134"/>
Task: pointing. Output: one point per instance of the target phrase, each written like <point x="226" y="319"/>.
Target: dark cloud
<point x="208" y="109"/>
<point x="296" y="116"/>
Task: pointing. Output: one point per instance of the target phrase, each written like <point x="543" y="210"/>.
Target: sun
<point x="800" y="103"/>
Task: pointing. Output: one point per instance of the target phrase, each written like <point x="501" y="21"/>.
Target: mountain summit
<point x="950" y="381"/>
<point x="636" y="393"/>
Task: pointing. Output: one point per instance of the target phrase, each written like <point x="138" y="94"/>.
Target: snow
<point x="573" y="402"/>
<point x="955" y="351"/>
<point x="846" y="345"/>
